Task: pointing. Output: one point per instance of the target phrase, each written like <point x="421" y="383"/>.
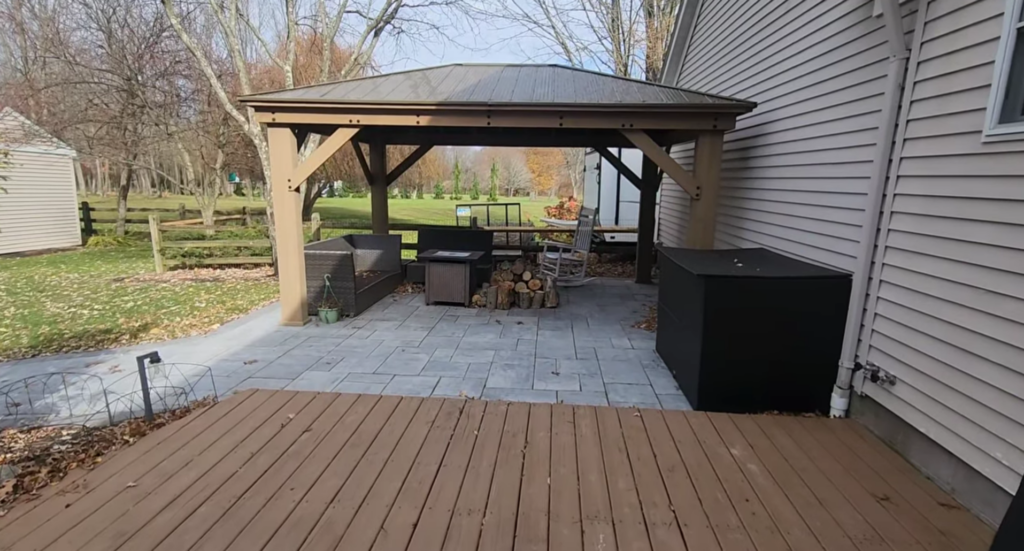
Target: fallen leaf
<point x="130" y="485"/>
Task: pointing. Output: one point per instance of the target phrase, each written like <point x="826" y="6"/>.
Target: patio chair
<point x="567" y="262"/>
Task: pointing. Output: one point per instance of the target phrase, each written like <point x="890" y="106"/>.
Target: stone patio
<point x="584" y="352"/>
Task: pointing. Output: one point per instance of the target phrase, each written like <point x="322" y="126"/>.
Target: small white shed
<point x="38" y="209"/>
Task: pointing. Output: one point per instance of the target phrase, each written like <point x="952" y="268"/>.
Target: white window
<point x="1006" y="106"/>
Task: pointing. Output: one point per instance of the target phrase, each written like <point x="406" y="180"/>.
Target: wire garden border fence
<point x="75" y="398"/>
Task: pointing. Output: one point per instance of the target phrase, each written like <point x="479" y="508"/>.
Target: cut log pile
<point x="517" y="284"/>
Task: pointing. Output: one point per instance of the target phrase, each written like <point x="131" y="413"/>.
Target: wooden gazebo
<point x="490" y="105"/>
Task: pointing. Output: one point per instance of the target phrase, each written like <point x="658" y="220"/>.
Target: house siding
<point x="946" y="316"/>
<point x="39" y="210"/>
<point x="796" y="172"/>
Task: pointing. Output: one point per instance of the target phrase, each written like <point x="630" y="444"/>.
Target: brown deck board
<point x="627" y="516"/>
<point x="776" y="502"/>
<point x="307" y="514"/>
<point x="958" y="525"/>
<point x="662" y="526"/>
<point x="565" y="532"/>
<point x="251" y="522"/>
<point x="179" y="471"/>
<point x="842" y="510"/>
<point x="335" y="521"/>
<point x="429" y="533"/>
<point x="692" y="520"/>
<point x="463" y="533"/>
<point x="499" y="525"/>
<point x="96" y="482"/>
<point x="202" y="436"/>
<point x="723" y="517"/>
<point x="180" y="491"/>
<point x="595" y="504"/>
<point x="401" y="473"/>
<point x="82" y="478"/>
<point x="532" y="528"/>
<point x="915" y="523"/>
<point x="370" y="514"/>
<point x="273" y="470"/>
<point x="867" y="504"/>
<point x="180" y="528"/>
<point x="752" y="512"/>
<point x="818" y="519"/>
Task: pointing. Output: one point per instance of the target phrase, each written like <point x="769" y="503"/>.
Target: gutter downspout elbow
<point x="888" y="120"/>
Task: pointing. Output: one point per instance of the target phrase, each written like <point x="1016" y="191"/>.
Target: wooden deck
<point x="285" y="471"/>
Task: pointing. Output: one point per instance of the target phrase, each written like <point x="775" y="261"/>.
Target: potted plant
<point x="330" y="307"/>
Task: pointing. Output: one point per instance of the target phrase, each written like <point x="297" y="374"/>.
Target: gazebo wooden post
<point x="707" y="167"/>
<point x="379" y="186"/>
<point x="291" y="266"/>
<point x="650" y="176"/>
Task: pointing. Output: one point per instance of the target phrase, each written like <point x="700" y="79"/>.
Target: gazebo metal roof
<point x="479" y="85"/>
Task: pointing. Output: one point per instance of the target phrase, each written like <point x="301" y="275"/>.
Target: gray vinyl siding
<point x="39" y="210"/>
<point x="949" y="317"/>
<point x="796" y="171"/>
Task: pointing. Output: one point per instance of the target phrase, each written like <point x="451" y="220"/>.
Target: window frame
<point x="1013" y="25"/>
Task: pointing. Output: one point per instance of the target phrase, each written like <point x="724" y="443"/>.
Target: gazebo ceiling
<point x="502" y="86"/>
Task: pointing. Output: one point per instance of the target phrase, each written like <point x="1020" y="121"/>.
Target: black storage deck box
<point x="750" y="330"/>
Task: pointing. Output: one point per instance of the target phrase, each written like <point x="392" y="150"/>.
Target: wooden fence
<point x="162" y="263"/>
<point x="89" y="215"/>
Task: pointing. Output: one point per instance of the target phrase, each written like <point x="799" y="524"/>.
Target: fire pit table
<point x="449" y="275"/>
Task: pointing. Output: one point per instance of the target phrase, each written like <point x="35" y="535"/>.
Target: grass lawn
<point x="95" y="298"/>
<point x="401" y="211"/>
<point x="84" y="300"/>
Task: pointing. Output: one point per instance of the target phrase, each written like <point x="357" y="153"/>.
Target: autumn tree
<point x="547" y="169"/>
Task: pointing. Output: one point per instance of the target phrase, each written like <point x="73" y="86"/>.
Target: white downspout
<point x="898" y="56"/>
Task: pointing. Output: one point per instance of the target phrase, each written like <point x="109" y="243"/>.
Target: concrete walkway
<point x="584" y="352"/>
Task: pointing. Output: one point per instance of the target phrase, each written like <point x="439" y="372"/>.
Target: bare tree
<point x="513" y="172"/>
<point x="575" y="158"/>
<point x="623" y="37"/>
<point x="95" y="73"/>
<point x="241" y="34"/>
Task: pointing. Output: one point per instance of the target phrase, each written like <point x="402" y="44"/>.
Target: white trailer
<point x="616" y="199"/>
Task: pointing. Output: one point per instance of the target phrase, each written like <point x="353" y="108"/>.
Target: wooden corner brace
<point x="317" y="158"/>
<point x="665" y="162"/>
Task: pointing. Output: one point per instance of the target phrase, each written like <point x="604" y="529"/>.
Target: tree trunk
<point x="310" y="195"/>
<point x="122" y="197"/>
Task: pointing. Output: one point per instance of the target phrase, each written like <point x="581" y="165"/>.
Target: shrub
<point x="474" y="192"/>
<point x="492" y="194"/>
<point x="438" y="191"/>
<point x="419" y="192"/>
<point x="456" y="182"/>
<point x="565" y="209"/>
<point x="107" y="242"/>
<point x="405" y="193"/>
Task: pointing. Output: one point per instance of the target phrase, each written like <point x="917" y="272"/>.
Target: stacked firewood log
<point x="517" y="284"/>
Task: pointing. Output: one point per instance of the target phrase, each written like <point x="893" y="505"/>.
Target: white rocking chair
<point x="567" y="263"/>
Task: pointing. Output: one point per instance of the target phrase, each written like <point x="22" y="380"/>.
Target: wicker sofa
<point x="363" y="270"/>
